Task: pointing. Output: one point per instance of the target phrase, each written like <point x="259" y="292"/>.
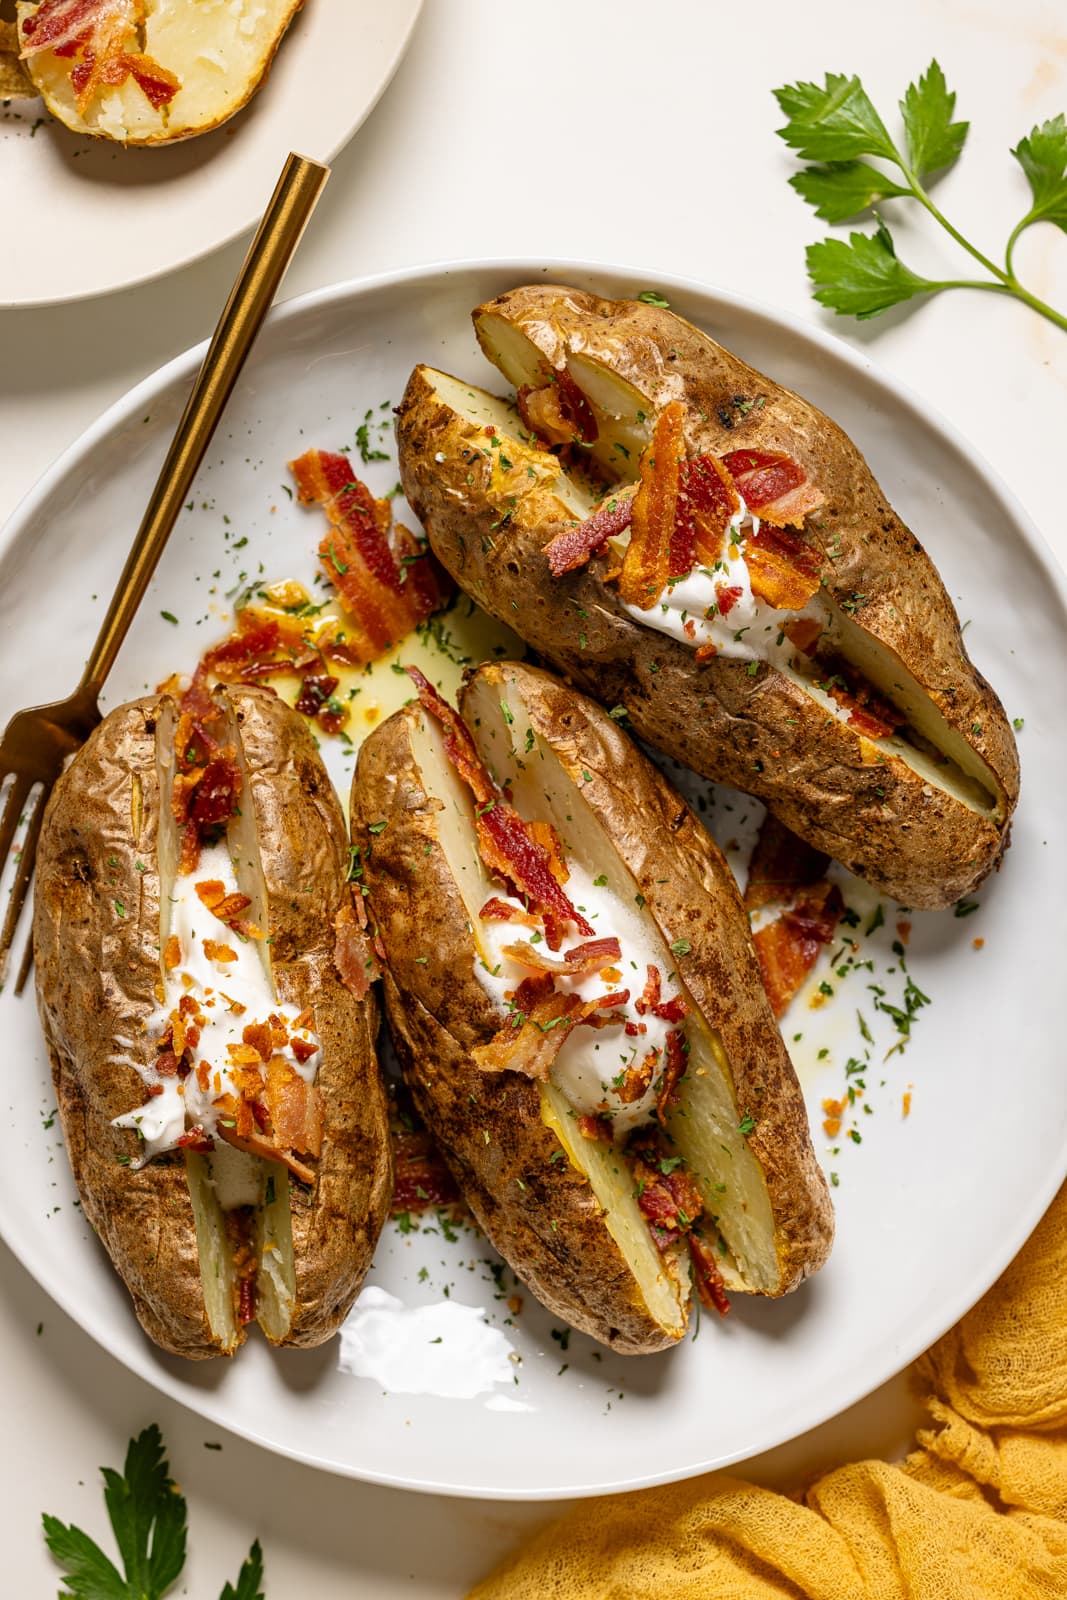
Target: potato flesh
<point x="603" y="1167"/>
<point x="273" y="1238"/>
<point x="484" y="410"/>
<point x="219" y="49"/>
<point x="612" y="1182"/>
<point x="962" y="773"/>
<point x="705" y="1124"/>
<point x="276" y="1279"/>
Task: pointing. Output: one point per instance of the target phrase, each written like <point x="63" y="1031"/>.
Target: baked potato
<point x="603" y="1106"/>
<point x="149" y="71"/>
<point x="741" y="585"/>
<point x="215" y="1074"/>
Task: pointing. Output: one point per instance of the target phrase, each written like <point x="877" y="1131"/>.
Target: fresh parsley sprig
<point x="149" y="1520"/>
<point x="836" y="126"/>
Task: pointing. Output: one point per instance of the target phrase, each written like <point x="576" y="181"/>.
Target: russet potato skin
<point x="97" y="972"/>
<point x="758" y="732"/>
<point x="539" y="1212"/>
<point x="489" y="1126"/>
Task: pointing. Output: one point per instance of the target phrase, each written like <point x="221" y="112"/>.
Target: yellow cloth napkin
<point x="977" y="1512"/>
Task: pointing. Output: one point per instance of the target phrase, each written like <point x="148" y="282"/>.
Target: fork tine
<point x="23" y="875"/>
<point x="17" y="794"/>
<point x="25" y="965"/>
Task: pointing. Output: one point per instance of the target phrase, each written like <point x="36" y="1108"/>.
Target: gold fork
<point x="38" y="741"/>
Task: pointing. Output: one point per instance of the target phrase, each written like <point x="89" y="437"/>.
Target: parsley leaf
<point x="843" y="189"/>
<point x="87" y="1572"/>
<point x="934" y="140"/>
<point x="249" y="1579"/>
<point x="862" y="277"/>
<point x="834" y="123"/>
<point x="1043" y="157"/>
<point x="148" y="1519"/>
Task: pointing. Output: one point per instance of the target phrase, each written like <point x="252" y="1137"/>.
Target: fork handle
<point x="264" y="267"/>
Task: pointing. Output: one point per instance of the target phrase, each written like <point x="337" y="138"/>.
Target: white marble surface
<point x="605" y="128"/>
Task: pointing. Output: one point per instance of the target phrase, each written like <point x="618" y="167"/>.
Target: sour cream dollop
<point x="228" y="994"/>
<point x="690" y="609"/>
<point x="591" y="1060"/>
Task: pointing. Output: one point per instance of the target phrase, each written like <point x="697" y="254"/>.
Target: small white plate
<point x="85" y="216"/>
<point x="930" y="1207"/>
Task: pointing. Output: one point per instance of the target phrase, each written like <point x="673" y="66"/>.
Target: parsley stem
<point x="938" y="215"/>
<point x="1007" y="282"/>
<point x="1015" y="232"/>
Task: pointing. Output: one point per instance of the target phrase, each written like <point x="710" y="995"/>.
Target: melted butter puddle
<point x="459" y="637"/>
<point x="447" y="1350"/>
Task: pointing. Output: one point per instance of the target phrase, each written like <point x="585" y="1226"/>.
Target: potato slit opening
<point x="935" y="751"/>
<point x="706" y="1123"/>
<point x="276" y="1276"/>
<point x="230" y="1177"/>
<point x="604" y="1168"/>
<point x="218" y="1274"/>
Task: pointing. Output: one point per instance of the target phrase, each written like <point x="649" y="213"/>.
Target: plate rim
<point x="36" y="303"/>
<point x="528" y="268"/>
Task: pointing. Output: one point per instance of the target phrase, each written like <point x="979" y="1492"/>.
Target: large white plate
<point x="930" y="1208"/>
<point x="85" y="216"/>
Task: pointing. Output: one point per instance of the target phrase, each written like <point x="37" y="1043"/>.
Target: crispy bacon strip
<point x="869" y="712"/>
<point x="650" y="996"/>
<point x="195" y="1139"/>
<point x="707" y="1276"/>
<point x="594" y="953"/>
<point x="788" y="949"/>
<point x="460" y="748"/>
<point x="674" y="1072"/>
<point x="278" y="1117"/>
<point x="804" y="632"/>
<point x="56" y="23"/>
<point x="783" y="570"/>
<point x="531" y="1047"/>
<point x="534" y="957"/>
<point x="505" y="842"/>
<point x="507" y="848"/>
<point x="577" y="544"/>
<point x="353" y="955"/>
<point x="387" y="589"/>
<point x="102" y="37"/>
<point x="422" y="1178"/>
<point x="582" y="959"/>
<point x="207" y="781"/>
<point x="670" y="1200"/>
<point x="646" y="564"/>
<point x="726" y="597"/>
<point x="707" y="499"/>
<point x="596" y="1127"/>
<point x="638" y="1079"/>
<point x="774" y="487"/>
<point x="497" y="910"/>
<point x="781" y="864"/>
<point x="558" y="411"/>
